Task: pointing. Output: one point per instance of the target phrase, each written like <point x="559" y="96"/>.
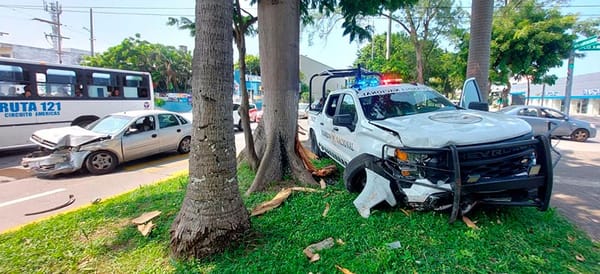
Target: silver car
<point x="107" y="142"/>
<point x="542" y="119"/>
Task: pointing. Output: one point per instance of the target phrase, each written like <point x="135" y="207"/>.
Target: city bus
<point x="37" y="95"/>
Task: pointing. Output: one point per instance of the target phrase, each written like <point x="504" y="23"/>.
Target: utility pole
<point x="55" y="10"/>
<point x="91" y="30"/>
<point x="588" y="44"/>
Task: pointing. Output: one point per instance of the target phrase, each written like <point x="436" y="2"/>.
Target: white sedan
<point x="107" y="142"/>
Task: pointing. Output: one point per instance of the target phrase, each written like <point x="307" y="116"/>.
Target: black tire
<point x="314" y="145"/>
<point x="239" y="125"/>
<point x="101" y="162"/>
<point x="355" y="176"/>
<point x="580" y="135"/>
<point x="185" y="145"/>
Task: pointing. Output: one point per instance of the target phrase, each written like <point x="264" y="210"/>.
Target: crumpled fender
<point x="377" y="189"/>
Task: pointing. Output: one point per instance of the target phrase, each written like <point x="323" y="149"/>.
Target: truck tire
<point x="355" y="176"/>
<point x="314" y="145"/>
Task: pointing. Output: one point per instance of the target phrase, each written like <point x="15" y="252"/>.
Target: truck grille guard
<point x="521" y="164"/>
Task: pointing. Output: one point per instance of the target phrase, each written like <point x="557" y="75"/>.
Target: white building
<point x="585" y="94"/>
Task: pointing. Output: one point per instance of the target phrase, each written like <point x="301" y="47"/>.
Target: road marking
<point x="31" y="197"/>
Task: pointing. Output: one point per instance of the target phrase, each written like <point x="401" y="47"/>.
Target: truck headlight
<point x="414" y="165"/>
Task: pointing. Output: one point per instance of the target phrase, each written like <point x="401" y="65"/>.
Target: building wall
<point x="69" y="56"/>
<point x="309" y="67"/>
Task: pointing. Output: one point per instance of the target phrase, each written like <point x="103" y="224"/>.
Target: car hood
<point x="65" y="137"/>
<point x="457" y="127"/>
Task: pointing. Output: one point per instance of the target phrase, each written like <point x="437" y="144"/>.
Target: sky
<point x="114" y="21"/>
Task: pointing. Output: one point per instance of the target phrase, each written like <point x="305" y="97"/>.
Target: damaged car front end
<point x="63" y="150"/>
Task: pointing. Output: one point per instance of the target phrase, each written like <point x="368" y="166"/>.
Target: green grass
<point x="100" y="238"/>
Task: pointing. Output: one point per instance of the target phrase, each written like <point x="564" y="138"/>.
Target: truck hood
<point x="73" y="136"/>
<point x="457" y="127"/>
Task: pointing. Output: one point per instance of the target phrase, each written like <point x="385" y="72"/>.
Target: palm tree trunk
<point x="212" y="215"/>
<point x="478" y="63"/>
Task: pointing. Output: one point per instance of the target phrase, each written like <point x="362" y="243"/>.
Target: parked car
<point x="303" y="110"/>
<point x="543" y="119"/>
<point x="237" y="119"/>
<point x="107" y="142"/>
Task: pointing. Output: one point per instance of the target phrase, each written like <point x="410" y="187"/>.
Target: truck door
<point x="471" y="96"/>
<point x="325" y="132"/>
<point x="344" y="129"/>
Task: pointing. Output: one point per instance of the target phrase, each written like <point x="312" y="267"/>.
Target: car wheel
<point x="185" y="145"/>
<point x="239" y="125"/>
<point x="580" y="135"/>
<point x="101" y="162"/>
<point x="314" y="145"/>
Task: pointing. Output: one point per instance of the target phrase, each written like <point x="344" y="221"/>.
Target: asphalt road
<point x="575" y="195"/>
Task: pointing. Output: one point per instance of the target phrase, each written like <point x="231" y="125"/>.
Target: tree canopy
<point x="171" y="68"/>
<point x="529" y="39"/>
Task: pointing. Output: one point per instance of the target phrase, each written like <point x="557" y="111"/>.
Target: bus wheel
<point x="185" y="145"/>
<point x="101" y="162"/>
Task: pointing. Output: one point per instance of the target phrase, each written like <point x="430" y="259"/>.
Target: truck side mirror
<point x="479" y="106"/>
<point x="344" y="120"/>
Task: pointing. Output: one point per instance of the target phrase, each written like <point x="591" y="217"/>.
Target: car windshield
<point x="380" y="107"/>
<point x="111" y="124"/>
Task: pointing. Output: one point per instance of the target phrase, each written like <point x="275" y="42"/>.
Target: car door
<point x="170" y="132"/>
<point x="471" y="94"/>
<point x="560" y="123"/>
<point x="531" y="115"/>
<point x="141" y="138"/>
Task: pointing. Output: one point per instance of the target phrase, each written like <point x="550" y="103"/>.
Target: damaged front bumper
<point x="53" y="162"/>
<point x="511" y="173"/>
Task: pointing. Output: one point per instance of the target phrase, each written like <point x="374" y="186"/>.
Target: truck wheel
<point x="101" y="162"/>
<point x="580" y="135"/>
<point x="355" y="176"/>
<point x="314" y="145"/>
<point x="185" y="145"/>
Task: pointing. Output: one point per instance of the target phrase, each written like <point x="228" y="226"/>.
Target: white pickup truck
<point x="407" y="144"/>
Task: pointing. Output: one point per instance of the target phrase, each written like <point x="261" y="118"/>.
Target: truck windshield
<point x="380" y="107"/>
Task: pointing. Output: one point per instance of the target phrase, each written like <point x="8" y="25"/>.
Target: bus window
<point x="99" y="86"/>
<point x="11" y="81"/>
<point x="56" y="83"/>
<point x="132" y="84"/>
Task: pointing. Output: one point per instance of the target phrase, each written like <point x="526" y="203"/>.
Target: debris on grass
<point x="144" y="218"/>
<point x="322" y="183"/>
<point x="311" y="250"/>
<point x="326" y="171"/>
<point x="343" y="270"/>
<point x="326" y="210"/>
<point x="406" y="212"/>
<point x="580" y="258"/>
<point x="278" y="199"/>
<point x="469" y="223"/>
<point x="144" y="222"/>
<point x="146" y="228"/>
<point x="340" y="242"/>
<point x="394" y="245"/>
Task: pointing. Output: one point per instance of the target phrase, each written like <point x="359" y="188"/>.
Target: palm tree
<point x="212" y="215"/>
<point x="478" y="63"/>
